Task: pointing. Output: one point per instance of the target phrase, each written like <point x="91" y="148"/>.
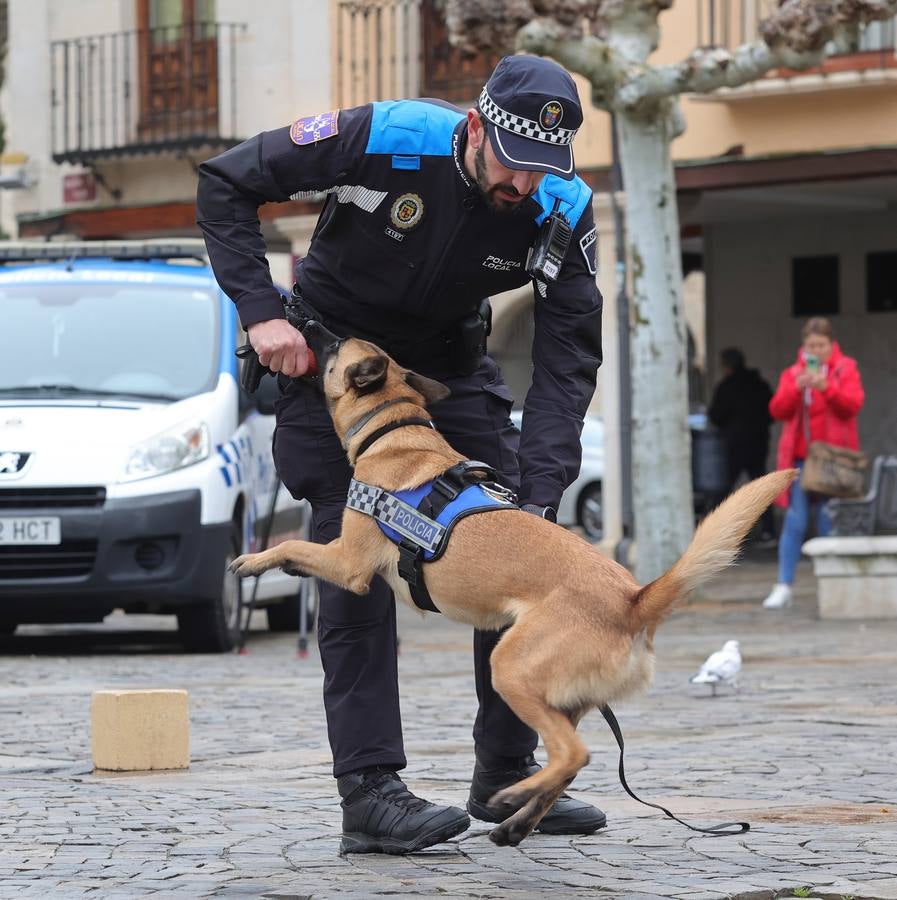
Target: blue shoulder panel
<point x="574" y="196"/>
<point x="412" y="128"/>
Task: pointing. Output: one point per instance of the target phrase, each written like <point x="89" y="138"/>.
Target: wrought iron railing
<point x="166" y="88"/>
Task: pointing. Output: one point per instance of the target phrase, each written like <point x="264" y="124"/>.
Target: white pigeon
<point x="721" y="667"/>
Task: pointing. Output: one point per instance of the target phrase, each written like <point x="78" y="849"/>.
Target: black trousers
<point x="357" y="635"/>
<point x="750" y="459"/>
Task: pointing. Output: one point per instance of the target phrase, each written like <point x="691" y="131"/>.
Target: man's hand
<point x="280" y="347"/>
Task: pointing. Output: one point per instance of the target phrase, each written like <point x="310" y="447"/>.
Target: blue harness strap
<point x="420" y="521"/>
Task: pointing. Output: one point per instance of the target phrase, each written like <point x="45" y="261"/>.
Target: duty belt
<point x="440" y="350"/>
<point x="420" y="521"/>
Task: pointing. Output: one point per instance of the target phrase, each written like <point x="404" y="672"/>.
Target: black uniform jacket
<point x="405" y="247"/>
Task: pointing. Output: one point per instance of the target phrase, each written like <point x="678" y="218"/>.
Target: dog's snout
<point x="321" y="341"/>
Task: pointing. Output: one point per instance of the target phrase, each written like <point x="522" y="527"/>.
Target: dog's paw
<point x="515" y="828"/>
<point x="507" y="801"/>
<point x="248" y="564"/>
<point x="509" y="833"/>
<point x="499" y="836"/>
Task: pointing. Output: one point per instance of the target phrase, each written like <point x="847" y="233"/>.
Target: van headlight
<point x="174" y="449"/>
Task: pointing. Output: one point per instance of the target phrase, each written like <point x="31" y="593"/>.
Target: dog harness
<point x="420" y="521"/>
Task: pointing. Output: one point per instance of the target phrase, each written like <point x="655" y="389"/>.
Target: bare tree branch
<point x="795" y="37"/>
<point x="588" y="55"/>
<point x="475" y="26"/>
<point x="806" y="26"/>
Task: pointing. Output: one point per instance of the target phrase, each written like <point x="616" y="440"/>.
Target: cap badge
<point x="551" y="115"/>
<point x="407" y="211"/>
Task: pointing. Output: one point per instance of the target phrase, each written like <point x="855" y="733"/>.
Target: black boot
<point x="380" y="815"/>
<point x="492" y="773"/>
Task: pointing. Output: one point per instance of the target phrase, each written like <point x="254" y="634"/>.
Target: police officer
<point x="429" y="211"/>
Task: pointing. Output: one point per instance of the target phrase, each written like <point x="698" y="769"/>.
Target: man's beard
<point x="488" y="194"/>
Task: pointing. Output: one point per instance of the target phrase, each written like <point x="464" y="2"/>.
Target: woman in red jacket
<point x="818" y="399"/>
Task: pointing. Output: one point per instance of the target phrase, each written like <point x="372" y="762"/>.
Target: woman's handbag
<point x="834" y="471"/>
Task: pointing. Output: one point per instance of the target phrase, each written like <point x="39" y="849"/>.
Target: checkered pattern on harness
<point x="521" y="125"/>
<point x="396" y="514"/>
<point x="363" y="497"/>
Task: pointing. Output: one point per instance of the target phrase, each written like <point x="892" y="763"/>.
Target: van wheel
<point x="215" y="627"/>
<point x="589" y="511"/>
<point x="284" y="616"/>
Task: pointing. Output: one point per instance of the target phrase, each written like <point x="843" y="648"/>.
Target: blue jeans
<point x="794" y="528"/>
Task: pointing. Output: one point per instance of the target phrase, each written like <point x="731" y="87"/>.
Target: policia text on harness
<point x="420" y="521"/>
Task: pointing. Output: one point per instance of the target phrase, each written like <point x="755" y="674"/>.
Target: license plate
<point x="30" y="530"/>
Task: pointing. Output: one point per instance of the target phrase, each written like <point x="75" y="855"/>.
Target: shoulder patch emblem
<point x="587" y="243"/>
<point x="312" y="129"/>
<point x="407" y="211"/>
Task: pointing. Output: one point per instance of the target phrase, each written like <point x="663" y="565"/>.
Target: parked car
<point x="581" y="502"/>
<point x="133" y="468"/>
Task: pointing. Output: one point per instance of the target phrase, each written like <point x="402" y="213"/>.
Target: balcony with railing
<point x="146" y="90"/>
<point x="729" y="23"/>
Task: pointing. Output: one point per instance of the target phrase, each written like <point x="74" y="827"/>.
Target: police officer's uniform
<point x="403" y="254"/>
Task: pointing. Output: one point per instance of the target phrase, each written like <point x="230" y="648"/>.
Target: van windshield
<point x="144" y="341"/>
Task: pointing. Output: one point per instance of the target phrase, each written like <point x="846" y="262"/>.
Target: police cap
<point x="532" y="112"/>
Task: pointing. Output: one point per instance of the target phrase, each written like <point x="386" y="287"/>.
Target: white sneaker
<point x="780" y="596"/>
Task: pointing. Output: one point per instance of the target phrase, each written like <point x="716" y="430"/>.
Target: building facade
<point x="787" y="187"/>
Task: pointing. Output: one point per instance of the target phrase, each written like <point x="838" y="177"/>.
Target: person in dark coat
<point x="740" y="410"/>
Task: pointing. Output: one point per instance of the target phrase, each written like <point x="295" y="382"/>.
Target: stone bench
<point x="857" y="576"/>
<point x="876" y="513"/>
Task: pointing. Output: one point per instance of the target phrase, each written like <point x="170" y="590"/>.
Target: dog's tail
<point x="714" y="547"/>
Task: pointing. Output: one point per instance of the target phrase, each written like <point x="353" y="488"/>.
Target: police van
<point x="133" y="467"/>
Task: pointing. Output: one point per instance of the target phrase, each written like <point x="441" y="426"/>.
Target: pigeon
<point x="721" y="667"/>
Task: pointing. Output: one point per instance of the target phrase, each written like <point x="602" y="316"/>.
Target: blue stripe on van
<point x="227" y="364"/>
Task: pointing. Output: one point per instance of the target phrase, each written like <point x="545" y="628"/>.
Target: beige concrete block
<point x="866" y="597"/>
<point x="139" y="730"/>
<point x="856" y="576"/>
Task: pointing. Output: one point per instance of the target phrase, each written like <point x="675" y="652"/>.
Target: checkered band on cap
<point x="519" y="125"/>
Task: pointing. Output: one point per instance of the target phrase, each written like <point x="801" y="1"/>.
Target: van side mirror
<point x="267" y="393"/>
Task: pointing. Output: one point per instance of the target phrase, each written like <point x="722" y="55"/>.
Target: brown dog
<point x="581" y="629"/>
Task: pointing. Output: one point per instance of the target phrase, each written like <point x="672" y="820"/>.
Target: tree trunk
<point x="662" y="492"/>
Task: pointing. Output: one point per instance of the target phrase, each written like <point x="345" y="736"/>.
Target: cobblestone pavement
<point x="805" y="751"/>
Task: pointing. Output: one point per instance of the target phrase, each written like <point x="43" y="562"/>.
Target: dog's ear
<point x="432" y="391"/>
<point x="368" y="374"/>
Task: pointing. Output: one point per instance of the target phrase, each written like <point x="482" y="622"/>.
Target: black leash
<point x="721" y="830"/>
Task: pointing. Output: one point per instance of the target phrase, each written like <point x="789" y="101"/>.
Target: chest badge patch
<point x="312" y="129"/>
<point x="407" y="211"/>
